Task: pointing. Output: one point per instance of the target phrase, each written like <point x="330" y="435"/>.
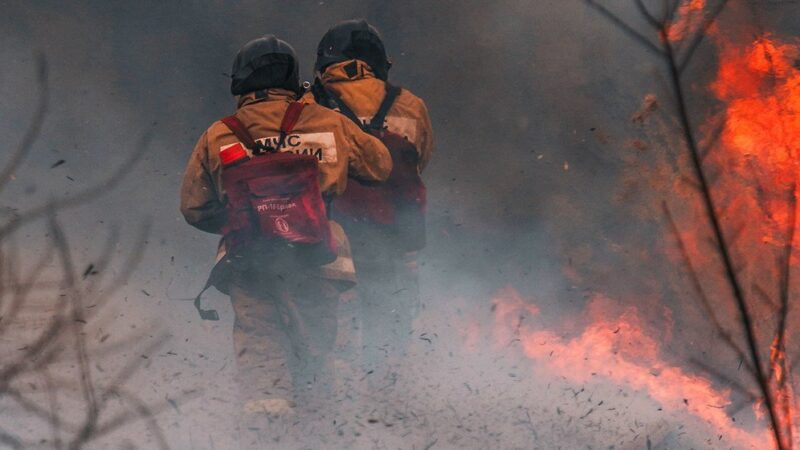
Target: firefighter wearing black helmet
<point x="284" y="306"/>
<point x="352" y="70"/>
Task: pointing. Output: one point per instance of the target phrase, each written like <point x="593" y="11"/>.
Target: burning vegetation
<point x="616" y="346"/>
<point x="729" y="213"/>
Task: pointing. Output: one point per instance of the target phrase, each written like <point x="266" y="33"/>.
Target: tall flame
<point x="753" y="171"/>
<point x="759" y="86"/>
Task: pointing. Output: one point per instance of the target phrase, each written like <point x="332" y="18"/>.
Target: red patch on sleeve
<point x="233" y="153"/>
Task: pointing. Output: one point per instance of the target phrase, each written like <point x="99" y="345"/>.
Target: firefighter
<point x="352" y="71"/>
<point x="284" y="306"/>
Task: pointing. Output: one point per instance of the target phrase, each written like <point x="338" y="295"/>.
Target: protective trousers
<point x="388" y="297"/>
<point x="284" y="332"/>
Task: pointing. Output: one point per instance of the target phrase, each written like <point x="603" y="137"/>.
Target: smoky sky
<point x="530" y="102"/>
<point x="514" y="90"/>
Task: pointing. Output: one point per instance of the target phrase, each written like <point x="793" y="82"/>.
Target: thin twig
<point x="700" y="35"/>
<point x="145" y="412"/>
<point x="675" y="68"/>
<point x="82" y="197"/>
<point x="786" y="272"/>
<point x="655" y="23"/>
<point x="698" y="288"/>
<point x="712" y="140"/>
<point x="22" y="289"/>
<point x="54" y="408"/>
<point x="85" y="374"/>
<point x="624" y="26"/>
<point x="48" y="415"/>
<point x="64" y="330"/>
<point x="722" y="246"/>
<point x="733" y="383"/>
<point x="35" y="127"/>
<point x="10" y="440"/>
<point x="766" y="298"/>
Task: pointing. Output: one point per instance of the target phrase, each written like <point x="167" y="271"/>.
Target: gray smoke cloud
<point x="531" y="104"/>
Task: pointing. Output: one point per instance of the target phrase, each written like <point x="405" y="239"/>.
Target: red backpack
<point x="274" y="200"/>
<point x="275" y="207"/>
<point x="395" y="208"/>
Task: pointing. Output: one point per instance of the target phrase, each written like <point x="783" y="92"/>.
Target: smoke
<point x="531" y="105"/>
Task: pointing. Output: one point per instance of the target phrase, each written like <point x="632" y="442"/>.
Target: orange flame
<point x="618" y="349"/>
<point x="510" y="309"/>
<point x="752" y="171"/>
<point x="777" y="359"/>
<point x="783" y="388"/>
<point x="759" y="86"/>
<point x="690" y="16"/>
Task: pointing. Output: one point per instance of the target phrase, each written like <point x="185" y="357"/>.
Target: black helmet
<point x="266" y="62"/>
<point x="353" y="39"/>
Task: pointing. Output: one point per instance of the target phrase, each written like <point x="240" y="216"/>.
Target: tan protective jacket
<point x="355" y="83"/>
<point x="341" y="147"/>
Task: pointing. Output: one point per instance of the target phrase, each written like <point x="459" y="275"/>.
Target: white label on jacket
<point x="404" y="126"/>
<point x="320" y="145"/>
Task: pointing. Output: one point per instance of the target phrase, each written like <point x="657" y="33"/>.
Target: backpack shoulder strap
<point x="331" y="99"/>
<point x="336" y="102"/>
<point x="290" y="118"/>
<point x="240" y="131"/>
<point x="388" y="100"/>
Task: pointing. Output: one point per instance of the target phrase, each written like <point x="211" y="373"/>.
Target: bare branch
<point x="46" y="414"/>
<point x="671" y="9"/>
<point x="698" y="288"/>
<point x="700" y="35"/>
<point x="46" y="339"/>
<point x="619" y="23"/>
<point x="712" y="141"/>
<point x="655" y="23"/>
<point x="675" y="66"/>
<point x="63" y="336"/>
<point x="82" y="197"/>
<point x="10" y="440"/>
<point x="730" y="381"/>
<point x="22" y="289"/>
<point x="722" y="245"/>
<point x="146" y="413"/>
<point x="35" y="127"/>
<point x="53" y="408"/>
<point x="126" y="417"/>
<point x="762" y="294"/>
<point x="786" y="272"/>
